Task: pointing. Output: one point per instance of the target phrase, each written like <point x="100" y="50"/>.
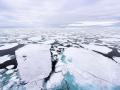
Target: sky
<point x="59" y="13"/>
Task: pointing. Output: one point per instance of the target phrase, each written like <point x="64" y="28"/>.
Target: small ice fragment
<point x="10" y="66"/>
<point x="10" y="72"/>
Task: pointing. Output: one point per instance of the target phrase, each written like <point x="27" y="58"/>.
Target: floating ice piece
<point x="38" y="61"/>
<point x="13" y="78"/>
<point x="4" y="58"/>
<point x="102" y="49"/>
<point x="55" y="80"/>
<point x="49" y="42"/>
<point x="35" y="39"/>
<point x="7" y="46"/>
<point x="2" y="70"/>
<point x="10" y="66"/>
<point x="59" y="66"/>
<point x="9" y="72"/>
<point x="95" y="64"/>
<point x="8" y="86"/>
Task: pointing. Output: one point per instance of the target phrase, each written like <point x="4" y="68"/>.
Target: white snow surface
<point x="10" y="67"/>
<point x="4" y="58"/>
<point x="7" y="46"/>
<point x="38" y="38"/>
<point x="36" y="63"/>
<point x="102" y="49"/>
<point x="94" y="64"/>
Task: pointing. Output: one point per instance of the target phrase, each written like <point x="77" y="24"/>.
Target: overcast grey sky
<point x="57" y="13"/>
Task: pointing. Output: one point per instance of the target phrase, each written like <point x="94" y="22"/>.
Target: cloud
<point x="54" y="13"/>
<point x="93" y="23"/>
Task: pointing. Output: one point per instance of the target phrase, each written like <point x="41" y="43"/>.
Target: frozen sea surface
<point x="90" y="61"/>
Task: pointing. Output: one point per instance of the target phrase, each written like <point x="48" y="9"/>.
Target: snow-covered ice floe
<point x="84" y="70"/>
<point x="95" y="64"/>
<point x="102" y="49"/>
<point x="7" y="46"/>
<point x="34" y="63"/>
